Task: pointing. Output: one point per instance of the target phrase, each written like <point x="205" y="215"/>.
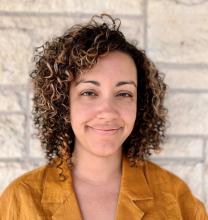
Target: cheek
<point x="80" y="113"/>
<point x="128" y="113"/>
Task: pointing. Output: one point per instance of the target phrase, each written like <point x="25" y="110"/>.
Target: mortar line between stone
<point x="27" y="127"/>
<point x="12" y="86"/>
<point x="162" y="160"/>
<point x="22" y="160"/>
<point x="145" y="15"/>
<point x="203" y="171"/>
<point x="179" y="159"/>
<point x="65" y="14"/>
<point x="5" y="113"/>
<point x="190" y="3"/>
<point x="187" y="136"/>
<point x="182" y="65"/>
<point x="191" y="91"/>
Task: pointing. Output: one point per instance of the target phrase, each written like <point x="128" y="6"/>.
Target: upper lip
<point x="104" y="128"/>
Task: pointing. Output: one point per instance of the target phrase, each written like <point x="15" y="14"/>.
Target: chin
<point x="105" y="151"/>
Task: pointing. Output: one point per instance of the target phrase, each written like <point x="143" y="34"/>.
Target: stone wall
<point x="173" y="32"/>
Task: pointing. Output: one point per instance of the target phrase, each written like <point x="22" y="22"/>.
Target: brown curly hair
<point x="59" y="61"/>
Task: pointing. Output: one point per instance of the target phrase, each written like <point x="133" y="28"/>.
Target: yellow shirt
<point x="147" y="192"/>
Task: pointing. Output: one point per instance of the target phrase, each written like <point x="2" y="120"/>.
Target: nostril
<point x="108" y="116"/>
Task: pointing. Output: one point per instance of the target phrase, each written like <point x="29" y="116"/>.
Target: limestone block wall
<point x="173" y="32"/>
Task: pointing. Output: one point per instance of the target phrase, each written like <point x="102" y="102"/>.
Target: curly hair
<point x="58" y="62"/>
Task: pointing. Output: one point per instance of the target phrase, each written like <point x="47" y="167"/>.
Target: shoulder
<point x="22" y="197"/>
<point x="163" y="179"/>
<point x="26" y="197"/>
<point x="24" y="188"/>
<point x="22" y="193"/>
<point x="166" y="186"/>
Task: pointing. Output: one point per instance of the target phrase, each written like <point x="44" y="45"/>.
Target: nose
<point x="107" y="110"/>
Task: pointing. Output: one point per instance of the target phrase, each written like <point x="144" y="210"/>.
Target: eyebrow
<point x="126" y="82"/>
<point x="88" y="81"/>
<point x="98" y="84"/>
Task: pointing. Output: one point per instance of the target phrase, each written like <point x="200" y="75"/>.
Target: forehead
<point x="113" y="66"/>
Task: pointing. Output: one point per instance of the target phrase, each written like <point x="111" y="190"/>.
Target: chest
<point x="97" y="203"/>
<point x="100" y="207"/>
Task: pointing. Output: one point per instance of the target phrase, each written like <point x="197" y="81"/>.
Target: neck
<point x="94" y="169"/>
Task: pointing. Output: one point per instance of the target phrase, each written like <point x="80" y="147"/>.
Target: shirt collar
<point x="56" y="190"/>
<point x="60" y="193"/>
<point x="134" y="181"/>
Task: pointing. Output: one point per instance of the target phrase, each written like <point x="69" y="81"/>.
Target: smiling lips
<point x="105" y="131"/>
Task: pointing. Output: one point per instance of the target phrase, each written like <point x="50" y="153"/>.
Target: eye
<point x="125" y="94"/>
<point x="88" y="93"/>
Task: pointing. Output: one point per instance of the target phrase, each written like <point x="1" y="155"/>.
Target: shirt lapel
<point x="59" y="200"/>
<point x="133" y="189"/>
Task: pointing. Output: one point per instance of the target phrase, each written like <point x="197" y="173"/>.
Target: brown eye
<point x="88" y="93"/>
<point x="125" y="94"/>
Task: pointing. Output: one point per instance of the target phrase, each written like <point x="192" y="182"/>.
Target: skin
<point x="103" y="114"/>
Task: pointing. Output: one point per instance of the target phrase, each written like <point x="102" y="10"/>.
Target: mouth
<point x="105" y="131"/>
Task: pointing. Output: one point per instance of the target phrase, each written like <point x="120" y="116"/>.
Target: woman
<point x="98" y="107"/>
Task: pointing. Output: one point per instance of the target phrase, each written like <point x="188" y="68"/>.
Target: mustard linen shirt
<point x="147" y="192"/>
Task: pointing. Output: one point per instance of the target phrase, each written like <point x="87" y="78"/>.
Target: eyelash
<point x="126" y="93"/>
<point x="87" y="92"/>
<point x="123" y="94"/>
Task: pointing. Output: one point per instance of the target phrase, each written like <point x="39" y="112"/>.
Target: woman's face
<point x="103" y="105"/>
